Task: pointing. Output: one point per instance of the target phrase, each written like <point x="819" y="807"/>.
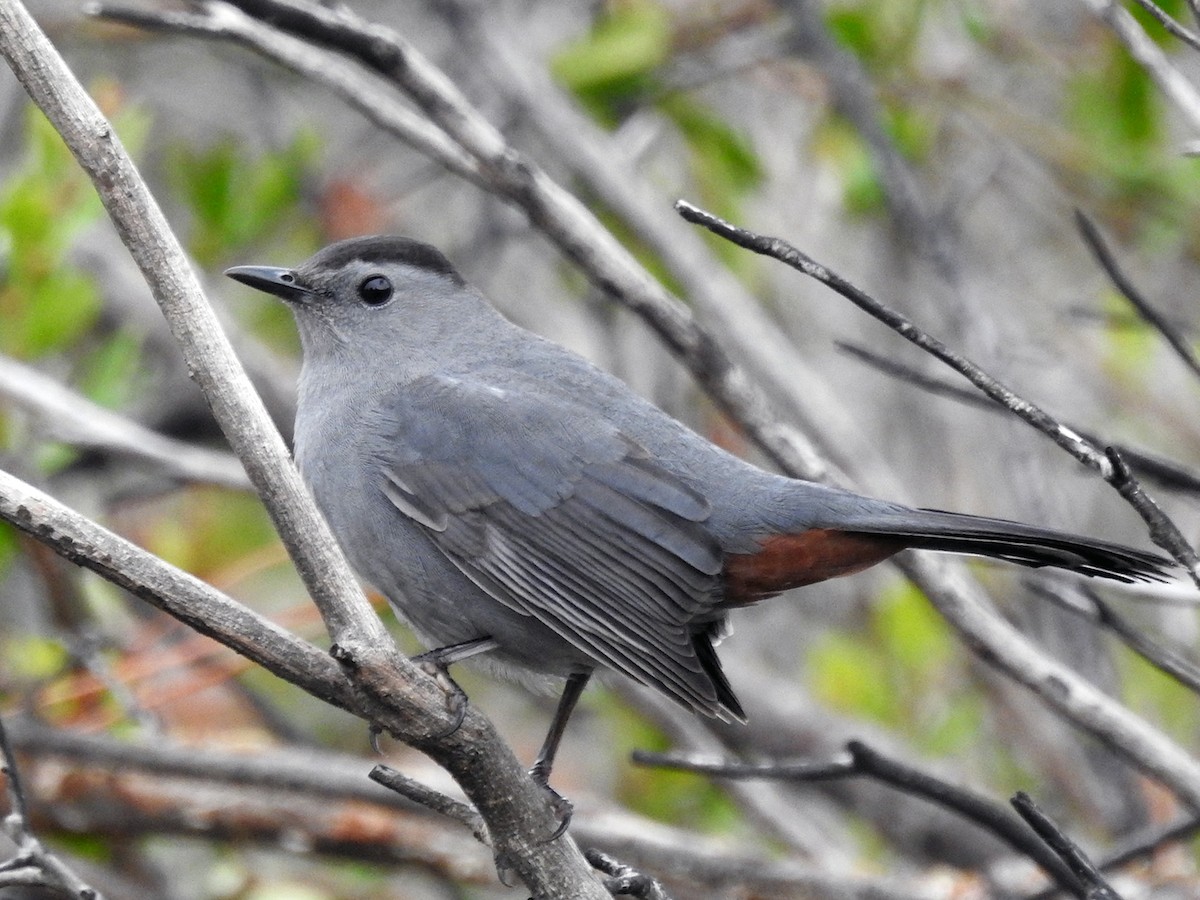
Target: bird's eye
<point x="375" y="291"/>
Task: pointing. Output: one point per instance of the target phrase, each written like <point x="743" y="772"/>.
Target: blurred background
<point x="931" y="151"/>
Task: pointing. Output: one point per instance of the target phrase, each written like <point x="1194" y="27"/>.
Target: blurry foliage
<point x="51" y="307"/>
<point x="1158" y="697"/>
<point x="232" y="525"/>
<point x="31" y="658"/>
<point x="883" y="34"/>
<point x="236" y="200"/>
<point x="611" y="69"/>
<point x="46" y="303"/>
<point x="662" y="794"/>
<point x="901" y="670"/>
<point x="1130" y="344"/>
<point x="614" y="69"/>
<point x="240" y="200"/>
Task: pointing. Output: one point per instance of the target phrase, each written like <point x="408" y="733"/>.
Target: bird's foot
<point x="436" y="663"/>
<point x="562" y="808"/>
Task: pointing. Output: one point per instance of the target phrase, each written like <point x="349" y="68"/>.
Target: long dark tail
<point x="1028" y="545"/>
<point x="868" y="532"/>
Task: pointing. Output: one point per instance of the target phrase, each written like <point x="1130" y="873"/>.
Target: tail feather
<point x="1027" y="545"/>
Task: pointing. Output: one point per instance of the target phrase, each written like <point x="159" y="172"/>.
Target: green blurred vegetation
<point x="615" y="69"/>
<point x="51" y="308"/>
<point x="662" y="794"/>
<point x="45" y="302"/>
<point x="903" y="669"/>
<point x="238" y="201"/>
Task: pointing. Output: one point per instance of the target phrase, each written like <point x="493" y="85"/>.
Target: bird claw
<point x="456" y="697"/>
<point x="562" y="808"/>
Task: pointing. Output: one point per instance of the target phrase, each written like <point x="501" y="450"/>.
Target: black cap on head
<point x="384" y="248"/>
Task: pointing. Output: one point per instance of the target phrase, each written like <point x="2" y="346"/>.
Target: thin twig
<point x="1163" y="531"/>
<point x="861" y="760"/>
<point x="460" y="812"/>
<point x="1188" y="37"/>
<point x="1173" y="84"/>
<point x="1138" y="845"/>
<point x="1097" y="610"/>
<point x="361" y="88"/>
<point x="1143" y="843"/>
<point x="1108" y="463"/>
<point x="33" y="864"/>
<point x="1108" y="262"/>
<point x="779" y="249"/>
<point x="1095" y="886"/>
<point x="1166" y="473"/>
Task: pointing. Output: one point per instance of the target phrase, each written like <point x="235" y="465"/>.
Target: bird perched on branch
<point x="511" y="499"/>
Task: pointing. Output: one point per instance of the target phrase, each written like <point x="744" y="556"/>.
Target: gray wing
<point x="558" y="516"/>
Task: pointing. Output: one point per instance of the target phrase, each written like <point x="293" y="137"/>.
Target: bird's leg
<point x="437" y="663"/>
<point x="540" y="772"/>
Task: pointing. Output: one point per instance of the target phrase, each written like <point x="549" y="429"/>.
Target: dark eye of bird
<point x="375" y="290"/>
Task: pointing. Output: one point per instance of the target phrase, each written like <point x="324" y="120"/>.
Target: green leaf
<point x="61" y="307"/>
<point x="723" y="163"/>
<point x="237" y="200"/>
<point x="45" y="303"/>
<point x="882" y="33"/>
<point x="661" y="794"/>
<point x="615" y="61"/>
<point x="837" y="145"/>
<point x="1131" y="343"/>
<point x="911" y="632"/>
<point x="848" y="674"/>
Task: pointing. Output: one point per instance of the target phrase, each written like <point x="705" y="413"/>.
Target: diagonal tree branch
<point x="73" y="418"/>
<point x="393" y="691"/>
<point x="1108" y="262"/>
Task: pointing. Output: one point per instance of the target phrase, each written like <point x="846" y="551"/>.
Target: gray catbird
<point x="509" y="498"/>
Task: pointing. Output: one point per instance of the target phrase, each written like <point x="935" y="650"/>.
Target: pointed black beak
<point x="280" y="282"/>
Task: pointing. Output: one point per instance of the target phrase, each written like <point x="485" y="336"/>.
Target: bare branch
<point x="1104" y="256"/>
<point x="1108" y="463"/>
<point x="34" y="864"/>
<point x="75" y="419"/>
<point x="1095" y="887"/>
<point x="1174" y="28"/>
<point x="1173" y="84"/>
<point x="361" y="88"/>
<point x="407" y="787"/>
<point x="1097" y="610"/>
<point x="862" y="761"/>
<point x="1166" y="473"/>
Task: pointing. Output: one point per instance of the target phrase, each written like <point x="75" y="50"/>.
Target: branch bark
<point x="391" y="690"/>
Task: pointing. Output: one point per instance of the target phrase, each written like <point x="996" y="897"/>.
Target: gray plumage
<point x="493" y="484"/>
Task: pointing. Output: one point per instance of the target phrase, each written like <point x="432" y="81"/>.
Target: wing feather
<point x="555" y="514"/>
